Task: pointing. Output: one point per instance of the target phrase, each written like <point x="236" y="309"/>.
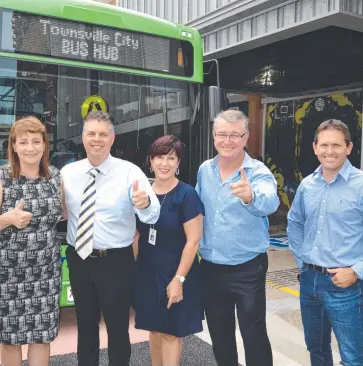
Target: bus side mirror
<point x="215" y="101"/>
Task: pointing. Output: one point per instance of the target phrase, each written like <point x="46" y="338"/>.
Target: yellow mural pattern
<point x="341" y="100"/>
<point x="270" y="109"/>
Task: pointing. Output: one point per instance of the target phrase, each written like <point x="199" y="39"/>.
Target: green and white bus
<point x="60" y="59"/>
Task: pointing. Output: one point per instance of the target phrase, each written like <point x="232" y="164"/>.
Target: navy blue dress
<point x="157" y="265"/>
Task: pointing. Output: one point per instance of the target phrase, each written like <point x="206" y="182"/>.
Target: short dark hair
<point x="101" y="117"/>
<point x="164" y="145"/>
<point x="334" y="124"/>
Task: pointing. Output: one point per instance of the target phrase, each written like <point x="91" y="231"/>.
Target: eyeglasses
<point x="232" y="137"/>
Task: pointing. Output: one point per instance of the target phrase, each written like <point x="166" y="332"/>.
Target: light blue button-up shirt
<point x="233" y="232"/>
<point x="325" y="223"/>
<point x="114" y="221"/>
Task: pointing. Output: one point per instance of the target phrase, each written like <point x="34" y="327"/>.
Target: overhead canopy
<point x="242" y="25"/>
<point x="322" y="59"/>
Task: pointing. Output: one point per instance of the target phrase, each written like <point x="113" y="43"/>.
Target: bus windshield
<point x="144" y="108"/>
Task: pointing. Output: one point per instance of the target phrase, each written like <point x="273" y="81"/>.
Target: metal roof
<point x="233" y="26"/>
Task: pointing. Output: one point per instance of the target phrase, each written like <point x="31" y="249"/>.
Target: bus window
<point x="143" y="108"/>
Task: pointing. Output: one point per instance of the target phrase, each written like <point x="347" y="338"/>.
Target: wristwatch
<point x="180" y="278"/>
<point x="253" y="198"/>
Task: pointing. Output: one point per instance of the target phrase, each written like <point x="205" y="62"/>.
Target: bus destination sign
<point x="44" y="36"/>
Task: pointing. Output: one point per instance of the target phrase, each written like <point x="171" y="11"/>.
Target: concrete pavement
<point x="283" y="314"/>
<point x="283" y="318"/>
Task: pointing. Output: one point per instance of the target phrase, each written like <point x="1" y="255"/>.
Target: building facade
<point x="289" y="64"/>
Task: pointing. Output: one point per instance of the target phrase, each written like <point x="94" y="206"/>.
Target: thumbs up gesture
<point x="242" y="188"/>
<point x="18" y="217"/>
<point x="139" y="198"/>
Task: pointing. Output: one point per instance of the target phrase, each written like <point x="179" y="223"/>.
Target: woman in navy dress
<point x="167" y="295"/>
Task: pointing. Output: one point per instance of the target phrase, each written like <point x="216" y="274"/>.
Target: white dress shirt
<point x="114" y="221"/>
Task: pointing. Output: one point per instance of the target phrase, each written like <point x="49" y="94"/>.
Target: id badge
<point x="152" y="236"/>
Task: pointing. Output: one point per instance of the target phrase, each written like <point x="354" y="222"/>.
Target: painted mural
<point x="290" y="130"/>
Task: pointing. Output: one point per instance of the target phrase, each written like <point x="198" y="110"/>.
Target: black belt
<point x="100" y="253"/>
<point x="316" y="268"/>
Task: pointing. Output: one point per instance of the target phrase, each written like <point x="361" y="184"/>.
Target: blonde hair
<point x="22" y="126"/>
<point x="231" y="115"/>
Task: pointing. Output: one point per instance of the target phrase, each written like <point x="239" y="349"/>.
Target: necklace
<point x="152" y="231"/>
<point x="163" y="200"/>
<point x="152" y="226"/>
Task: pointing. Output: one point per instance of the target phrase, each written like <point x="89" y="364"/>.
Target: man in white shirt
<point x="101" y="196"/>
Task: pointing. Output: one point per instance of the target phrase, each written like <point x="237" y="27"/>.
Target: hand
<point x="174" y="291"/>
<point x="242" y="188"/>
<point x="18" y="217"/>
<point x="343" y="277"/>
<point x="139" y="198"/>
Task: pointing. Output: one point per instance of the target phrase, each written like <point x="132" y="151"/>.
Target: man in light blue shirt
<point x="325" y="231"/>
<point x="238" y="193"/>
<point x="101" y="196"/>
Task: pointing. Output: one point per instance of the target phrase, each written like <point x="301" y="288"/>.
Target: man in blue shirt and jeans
<point x="238" y="193"/>
<point x="325" y="230"/>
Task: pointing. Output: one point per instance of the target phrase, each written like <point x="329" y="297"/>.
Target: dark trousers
<point x="102" y="285"/>
<point x="241" y="287"/>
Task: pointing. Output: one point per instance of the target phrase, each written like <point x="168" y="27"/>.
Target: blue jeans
<point x="325" y="306"/>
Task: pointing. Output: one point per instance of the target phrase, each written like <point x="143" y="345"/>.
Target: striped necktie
<point x="84" y="241"/>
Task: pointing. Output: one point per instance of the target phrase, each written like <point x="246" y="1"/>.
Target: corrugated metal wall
<point x="249" y="26"/>
<point x="176" y="11"/>
<point x="353" y="6"/>
<point x="185" y="11"/>
<point x="267" y="22"/>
